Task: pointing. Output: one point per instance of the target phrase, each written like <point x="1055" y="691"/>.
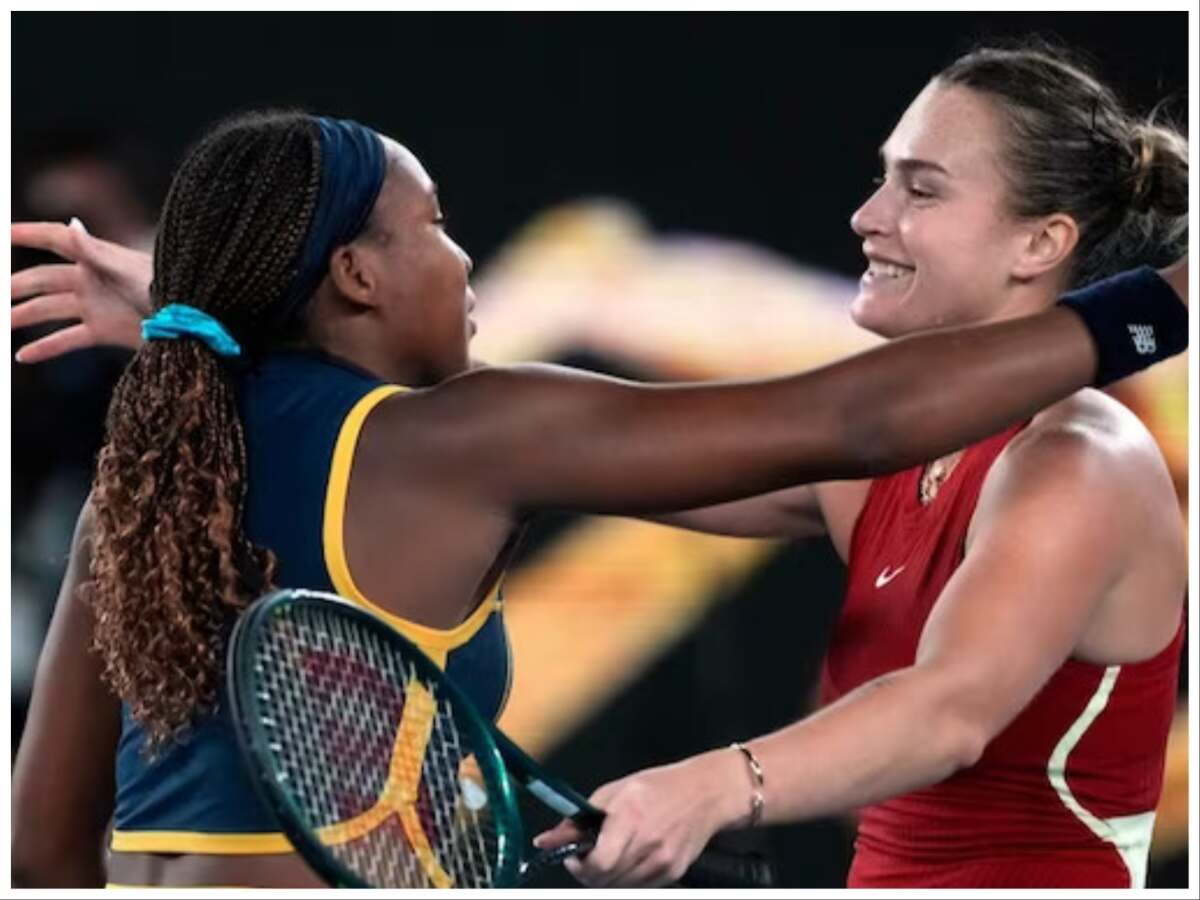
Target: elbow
<point x="960" y="742"/>
<point x="957" y="703"/>
<point x="955" y="734"/>
<point x="967" y="747"/>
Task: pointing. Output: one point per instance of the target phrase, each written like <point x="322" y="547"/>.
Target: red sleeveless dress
<point x="1065" y="795"/>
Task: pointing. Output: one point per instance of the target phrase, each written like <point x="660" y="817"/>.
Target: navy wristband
<point x="1136" y="320"/>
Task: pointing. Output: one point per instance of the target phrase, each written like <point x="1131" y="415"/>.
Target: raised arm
<point x="537" y="437"/>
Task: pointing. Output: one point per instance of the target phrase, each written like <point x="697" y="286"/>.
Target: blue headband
<point x="178" y="320"/>
<point x="353" y="164"/>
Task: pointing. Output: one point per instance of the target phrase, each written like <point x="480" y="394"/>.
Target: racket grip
<point x="721" y="868"/>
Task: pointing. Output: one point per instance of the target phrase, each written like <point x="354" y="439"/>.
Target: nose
<point x="874" y="216"/>
<point x="468" y="263"/>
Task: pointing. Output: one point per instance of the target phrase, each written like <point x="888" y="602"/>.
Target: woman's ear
<point x="352" y="275"/>
<point x="1049" y="242"/>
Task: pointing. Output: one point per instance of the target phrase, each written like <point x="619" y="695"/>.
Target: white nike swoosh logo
<point x="885" y="576"/>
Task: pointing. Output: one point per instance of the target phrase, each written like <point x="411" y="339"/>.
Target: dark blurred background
<point x="757" y="129"/>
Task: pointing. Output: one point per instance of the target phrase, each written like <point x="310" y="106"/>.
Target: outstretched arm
<point x="577" y="441"/>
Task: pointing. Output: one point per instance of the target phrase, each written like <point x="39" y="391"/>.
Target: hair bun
<point x="1159" y="177"/>
<point x="1144" y="182"/>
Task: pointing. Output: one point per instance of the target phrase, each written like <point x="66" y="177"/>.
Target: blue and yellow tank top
<point x="302" y="413"/>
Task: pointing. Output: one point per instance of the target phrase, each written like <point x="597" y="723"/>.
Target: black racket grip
<point x="721" y="868"/>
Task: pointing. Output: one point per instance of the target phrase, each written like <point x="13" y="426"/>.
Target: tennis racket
<point x="380" y="770"/>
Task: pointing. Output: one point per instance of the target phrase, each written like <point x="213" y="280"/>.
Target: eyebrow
<point x="909" y="164"/>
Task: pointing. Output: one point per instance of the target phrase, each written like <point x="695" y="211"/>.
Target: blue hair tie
<point x="178" y="320"/>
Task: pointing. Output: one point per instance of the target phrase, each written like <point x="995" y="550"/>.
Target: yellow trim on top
<point x="437" y="642"/>
<point x="222" y="843"/>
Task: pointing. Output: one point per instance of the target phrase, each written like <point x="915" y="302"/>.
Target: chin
<point x="877" y="316"/>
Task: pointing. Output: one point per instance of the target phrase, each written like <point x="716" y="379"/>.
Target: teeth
<point x="887" y="270"/>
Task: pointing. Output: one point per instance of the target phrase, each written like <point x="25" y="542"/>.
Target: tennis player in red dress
<point x="1000" y="685"/>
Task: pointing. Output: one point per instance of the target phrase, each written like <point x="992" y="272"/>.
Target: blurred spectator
<point x="115" y="187"/>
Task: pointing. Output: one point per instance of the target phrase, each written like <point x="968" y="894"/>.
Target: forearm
<point x="790" y="513"/>
<point x="648" y="449"/>
<point x="921" y="397"/>
<point x="891" y="736"/>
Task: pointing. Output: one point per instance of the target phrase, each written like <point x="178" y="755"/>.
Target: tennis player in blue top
<point x="302" y="412"/>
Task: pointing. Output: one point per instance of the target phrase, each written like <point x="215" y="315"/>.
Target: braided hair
<point x="1070" y="146"/>
<point x="171" y="565"/>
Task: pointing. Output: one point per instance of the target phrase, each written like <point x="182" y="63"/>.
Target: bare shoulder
<point x="1085" y="485"/>
<point x="1091" y="439"/>
<point x="1085" y="457"/>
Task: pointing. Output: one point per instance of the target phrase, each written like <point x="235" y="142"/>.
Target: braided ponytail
<point x="171" y="564"/>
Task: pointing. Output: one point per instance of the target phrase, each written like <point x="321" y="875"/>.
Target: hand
<point x="105" y="287"/>
<point x="657" y="821"/>
<point x="1176" y="275"/>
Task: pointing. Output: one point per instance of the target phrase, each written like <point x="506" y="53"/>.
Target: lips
<point x="882" y="269"/>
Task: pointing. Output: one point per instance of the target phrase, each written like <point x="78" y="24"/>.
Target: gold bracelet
<point x="757" y="800"/>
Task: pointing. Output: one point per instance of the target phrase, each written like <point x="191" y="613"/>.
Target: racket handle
<point x="721" y="868"/>
<point x="713" y="869"/>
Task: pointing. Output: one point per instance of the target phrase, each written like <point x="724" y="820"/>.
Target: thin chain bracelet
<point x="757" y="800"/>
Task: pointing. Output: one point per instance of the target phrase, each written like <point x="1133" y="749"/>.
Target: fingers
<point x="52" y="236"/>
<point x="564" y="832"/>
<point x="43" y="280"/>
<point x="50" y="308"/>
<point x="76" y="337"/>
<point x="603" y="864"/>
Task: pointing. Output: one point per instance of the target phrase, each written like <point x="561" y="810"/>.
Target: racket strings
<point x="458" y="805"/>
<point x="371" y="756"/>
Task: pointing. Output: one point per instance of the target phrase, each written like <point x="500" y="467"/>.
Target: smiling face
<point x="420" y="275"/>
<point x="940" y="242"/>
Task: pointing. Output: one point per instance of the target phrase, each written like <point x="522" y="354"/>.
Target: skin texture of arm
<point x="570" y="440"/>
<point x="1060" y="517"/>
<point x="829" y="508"/>
<point x="789" y="513"/>
<point x="63" y="777"/>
